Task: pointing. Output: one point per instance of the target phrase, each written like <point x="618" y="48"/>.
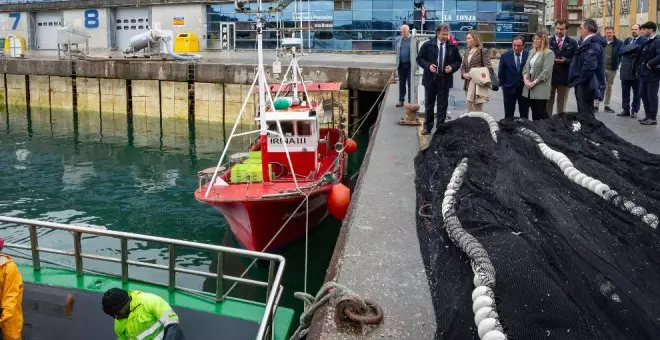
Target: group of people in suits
<point x="440" y="59"/>
<point x="589" y="66"/>
<point x="540" y="79"/>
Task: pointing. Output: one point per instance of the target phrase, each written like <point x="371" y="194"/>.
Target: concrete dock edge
<point x="377" y="254"/>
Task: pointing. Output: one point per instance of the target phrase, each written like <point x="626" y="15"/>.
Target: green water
<point x="140" y="178"/>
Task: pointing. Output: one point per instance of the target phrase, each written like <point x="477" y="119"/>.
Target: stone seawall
<point x="364" y="79"/>
<point x="214" y="102"/>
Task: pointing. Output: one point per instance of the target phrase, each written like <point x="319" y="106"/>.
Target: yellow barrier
<point x="7" y="41"/>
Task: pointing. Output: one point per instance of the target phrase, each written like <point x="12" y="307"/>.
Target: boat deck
<point x="44" y="305"/>
<point x="45" y="318"/>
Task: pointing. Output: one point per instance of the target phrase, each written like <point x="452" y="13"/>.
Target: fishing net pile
<point x="539" y="230"/>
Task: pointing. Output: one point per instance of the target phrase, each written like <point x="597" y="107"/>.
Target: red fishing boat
<point x="281" y="188"/>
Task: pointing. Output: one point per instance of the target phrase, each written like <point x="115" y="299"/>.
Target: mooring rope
<point x="599" y="188"/>
<point x="334" y="293"/>
<point x="483" y="303"/>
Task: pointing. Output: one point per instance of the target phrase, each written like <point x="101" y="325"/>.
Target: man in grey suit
<point x="402" y="47"/>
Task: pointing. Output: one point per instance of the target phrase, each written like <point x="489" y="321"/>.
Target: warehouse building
<point x="327" y="24"/>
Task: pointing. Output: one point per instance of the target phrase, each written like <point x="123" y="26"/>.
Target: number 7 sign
<point x="17" y="18"/>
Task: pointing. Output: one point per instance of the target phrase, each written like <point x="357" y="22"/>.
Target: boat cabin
<point x="300" y="132"/>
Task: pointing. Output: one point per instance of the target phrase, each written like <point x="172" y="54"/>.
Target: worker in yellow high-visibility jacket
<point x="11" y="288"/>
<point x="140" y="315"/>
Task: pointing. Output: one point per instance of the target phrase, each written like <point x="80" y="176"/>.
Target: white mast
<point x="261" y="73"/>
<point x="296" y="99"/>
<point x="300" y="12"/>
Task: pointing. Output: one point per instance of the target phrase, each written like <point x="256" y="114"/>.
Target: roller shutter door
<point x="46" y="29"/>
<point x="130" y="22"/>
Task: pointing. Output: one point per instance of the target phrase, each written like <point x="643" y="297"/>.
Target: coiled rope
<point x="348" y="304"/>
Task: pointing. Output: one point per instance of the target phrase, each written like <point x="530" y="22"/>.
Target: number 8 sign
<point x="91" y="18"/>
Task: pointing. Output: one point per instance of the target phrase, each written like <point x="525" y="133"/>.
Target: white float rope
<point x="483" y="298"/>
<point x="492" y="123"/>
<point x="599" y="188"/>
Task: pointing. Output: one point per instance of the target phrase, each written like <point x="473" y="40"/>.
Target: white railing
<point x="273" y="284"/>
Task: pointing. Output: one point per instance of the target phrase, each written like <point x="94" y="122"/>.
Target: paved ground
<point x="647" y="137"/>
<point x="381" y="258"/>
<point x="250" y="57"/>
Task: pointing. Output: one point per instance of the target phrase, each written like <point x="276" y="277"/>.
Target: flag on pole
<point x="423" y="16"/>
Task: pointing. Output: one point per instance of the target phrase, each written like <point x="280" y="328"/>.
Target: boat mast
<point x="296" y="99"/>
<point x="262" y="98"/>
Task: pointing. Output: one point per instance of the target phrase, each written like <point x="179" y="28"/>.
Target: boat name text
<point x="289" y="140"/>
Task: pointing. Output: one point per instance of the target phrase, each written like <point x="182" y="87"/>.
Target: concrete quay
<point x="355" y="72"/>
<point x="377" y="254"/>
<point x="212" y="89"/>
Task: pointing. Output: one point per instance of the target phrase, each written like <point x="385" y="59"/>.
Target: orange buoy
<point x="350" y="146"/>
<point x="339" y="200"/>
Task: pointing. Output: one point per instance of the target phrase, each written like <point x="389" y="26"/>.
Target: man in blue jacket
<point x="440" y="59"/>
<point x="611" y="53"/>
<point x="510" y="74"/>
<point x="649" y="73"/>
<point x="587" y="70"/>
<point x="629" y="55"/>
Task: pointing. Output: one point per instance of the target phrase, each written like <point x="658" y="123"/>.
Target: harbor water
<point x="135" y="174"/>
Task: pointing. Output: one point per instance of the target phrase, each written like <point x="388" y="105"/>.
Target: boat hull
<point x="256" y="223"/>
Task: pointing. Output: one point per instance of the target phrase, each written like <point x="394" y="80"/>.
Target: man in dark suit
<point x="510" y="74"/>
<point x="630" y="52"/>
<point x="587" y="70"/>
<point x="564" y="48"/>
<point x="649" y="73"/>
<point x="440" y="59"/>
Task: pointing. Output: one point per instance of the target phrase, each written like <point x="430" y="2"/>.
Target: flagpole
<point x="443" y="12"/>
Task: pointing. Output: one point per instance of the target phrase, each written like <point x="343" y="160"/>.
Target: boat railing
<point x="272" y="285"/>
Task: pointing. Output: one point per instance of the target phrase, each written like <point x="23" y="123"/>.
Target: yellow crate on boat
<point x="249" y="172"/>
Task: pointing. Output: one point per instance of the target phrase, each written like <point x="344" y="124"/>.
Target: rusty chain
<point x="349" y="309"/>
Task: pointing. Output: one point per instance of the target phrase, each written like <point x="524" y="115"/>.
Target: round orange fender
<point x="339" y="200"/>
<point x="351" y="146"/>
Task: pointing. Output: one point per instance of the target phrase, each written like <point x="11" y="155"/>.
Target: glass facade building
<point x="374" y="24"/>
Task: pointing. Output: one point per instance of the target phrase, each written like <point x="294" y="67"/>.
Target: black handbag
<point x="494" y="80"/>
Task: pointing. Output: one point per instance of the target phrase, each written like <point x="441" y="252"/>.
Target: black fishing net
<point x="569" y="264"/>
